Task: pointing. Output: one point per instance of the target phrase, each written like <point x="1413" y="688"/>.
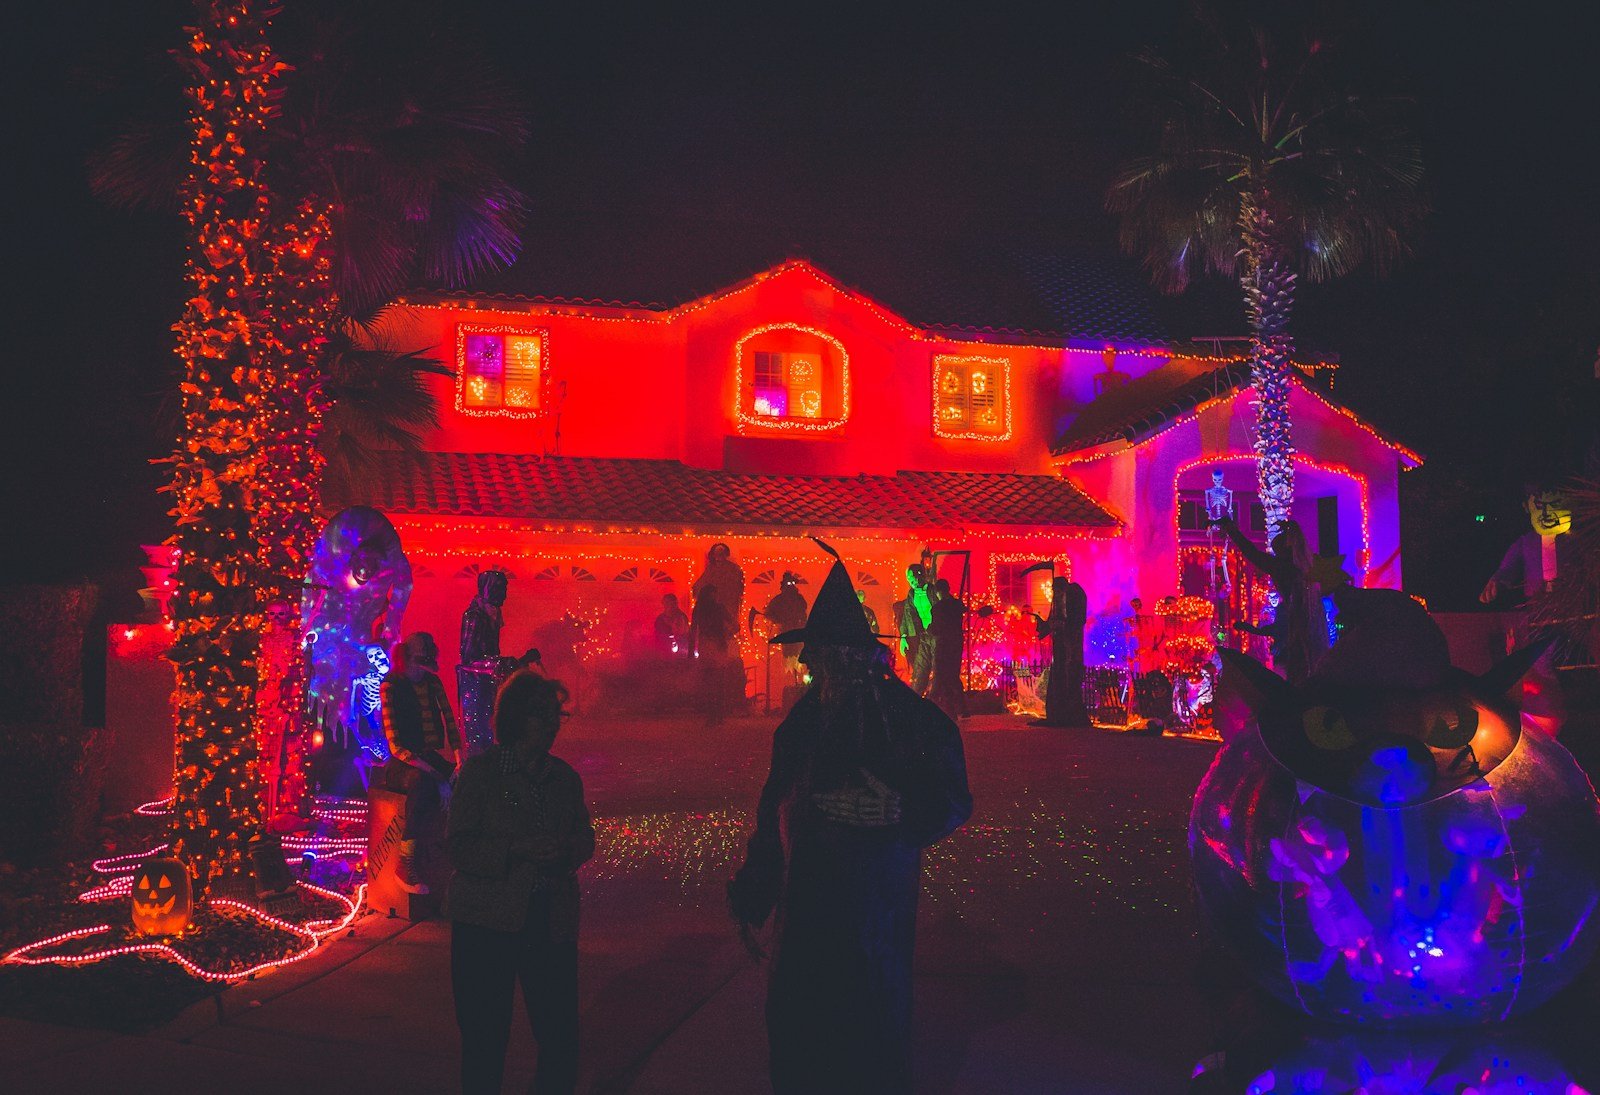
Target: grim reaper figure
<point x="865" y="774"/>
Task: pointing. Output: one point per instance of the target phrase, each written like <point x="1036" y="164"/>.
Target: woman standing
<point x="519" y="831"/>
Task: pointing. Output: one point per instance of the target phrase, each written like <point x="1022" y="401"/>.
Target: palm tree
<point x="378" y="401"/>
<point x="1267" y="169"/>
<point x="382" y="159"/>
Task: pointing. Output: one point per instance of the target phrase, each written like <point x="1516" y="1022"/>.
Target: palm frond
<point x="1248" y="118"/>
<point x="380" y="401"/>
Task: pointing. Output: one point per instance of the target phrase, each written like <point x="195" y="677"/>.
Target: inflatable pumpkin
<point x="1385" y="843"/>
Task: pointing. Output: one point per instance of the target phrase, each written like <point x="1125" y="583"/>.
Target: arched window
<point x="791" y="377"/>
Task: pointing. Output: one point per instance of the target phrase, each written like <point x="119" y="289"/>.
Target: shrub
<point x="51" y="778"/>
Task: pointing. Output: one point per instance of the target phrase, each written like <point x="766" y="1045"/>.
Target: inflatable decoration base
<point x="1384" y="845"/>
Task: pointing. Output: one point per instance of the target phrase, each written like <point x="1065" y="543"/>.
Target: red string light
<point x="312" y="932"/>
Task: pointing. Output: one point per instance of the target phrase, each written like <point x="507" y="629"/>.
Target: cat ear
<point x="1244" y="690"/>
<point x="1494" y="684"/>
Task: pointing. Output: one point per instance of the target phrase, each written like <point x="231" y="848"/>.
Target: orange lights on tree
<point x="226" y="340"/>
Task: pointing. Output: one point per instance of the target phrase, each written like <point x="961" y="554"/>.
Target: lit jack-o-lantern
<point x="162" y="897"/>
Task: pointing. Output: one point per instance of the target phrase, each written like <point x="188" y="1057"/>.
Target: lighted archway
<point x="1364" y="552"/>
<point x="831" y="392"/>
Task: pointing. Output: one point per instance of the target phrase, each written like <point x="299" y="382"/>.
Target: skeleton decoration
<point x="366" y="704"/>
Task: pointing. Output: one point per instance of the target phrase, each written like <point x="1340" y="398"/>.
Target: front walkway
<point x="1057" y="943"/>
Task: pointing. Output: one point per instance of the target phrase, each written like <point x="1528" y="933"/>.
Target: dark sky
<point x="849" y="126"/>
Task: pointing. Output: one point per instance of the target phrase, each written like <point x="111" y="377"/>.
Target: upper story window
<point x="501" y="370"/>
<point x="972" y="397"/>
<point x="792" y="377"/>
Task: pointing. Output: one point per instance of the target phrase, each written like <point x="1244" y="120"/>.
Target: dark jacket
<point x="839" y="1001"/>
<point x="490" y="812"/>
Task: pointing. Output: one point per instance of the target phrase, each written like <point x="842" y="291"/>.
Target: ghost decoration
<point x="1385" y="844"/>
<point x="163" y="898"/>
<point x="356" y="596"/>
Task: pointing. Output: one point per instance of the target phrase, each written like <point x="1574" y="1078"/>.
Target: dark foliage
<point x="1247" y="114"/>
<point x="380" y="401"/>
<point x="392" y="119"/>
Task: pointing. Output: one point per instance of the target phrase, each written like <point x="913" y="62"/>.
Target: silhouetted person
<point x="864" y="774"/>
<point x="672" y="627"/>
<point x="1069" y="612"/>
<point x="519" y="831"/>
<point x="1302" y="639"/>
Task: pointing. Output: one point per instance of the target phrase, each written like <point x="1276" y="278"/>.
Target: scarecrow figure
<point x="1528" y="571"/>
<point x="913" y="617"/>
<point x="948" y="635"/>
<point x="788" y="610"/>
<point x="484" y="617"/>
<point x="724" y="576"/>
<point x="672" y="628"/>
<point x="865" y="774"/>
<point x="424" y="744"/>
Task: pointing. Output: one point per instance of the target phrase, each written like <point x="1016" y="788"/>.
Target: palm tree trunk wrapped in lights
<point x="287" y="521"/>
<point x="321" y="182"/>
<point x="215" y="615"/>
<point x="1268" y="285"/>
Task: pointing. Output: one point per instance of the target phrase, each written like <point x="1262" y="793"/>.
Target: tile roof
<point x="669" y="494"/>
<point x="1146" y="405"/>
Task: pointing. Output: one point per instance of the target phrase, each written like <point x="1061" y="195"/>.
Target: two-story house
<point x="596" y="451"/>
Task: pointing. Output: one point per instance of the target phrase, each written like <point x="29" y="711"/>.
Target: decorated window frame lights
<point x="971" y="398"/>
<point x="789" y="388"/>
<point x="502" y="371"/>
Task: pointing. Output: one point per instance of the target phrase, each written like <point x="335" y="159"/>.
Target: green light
<point x="1478" y="518"/>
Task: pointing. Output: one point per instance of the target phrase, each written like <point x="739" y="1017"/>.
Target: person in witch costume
<point x="865" y="774"/>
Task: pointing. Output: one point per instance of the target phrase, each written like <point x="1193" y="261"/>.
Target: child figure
<point x="519" y="830"/>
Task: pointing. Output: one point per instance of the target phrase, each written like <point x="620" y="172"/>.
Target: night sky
<point x="841" y="128"/>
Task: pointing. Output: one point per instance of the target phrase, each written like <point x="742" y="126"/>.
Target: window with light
<point x="792" y="377"/>
<point x="972" y="397"/>
<point x="788" y="385"/>
<point x="500" y="371"/>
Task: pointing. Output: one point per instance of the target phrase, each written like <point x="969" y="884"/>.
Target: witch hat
<point x="836" y="618"/>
